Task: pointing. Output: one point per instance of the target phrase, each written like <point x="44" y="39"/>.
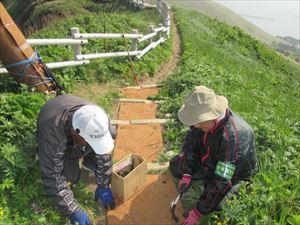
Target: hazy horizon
<point x="279" y="18"/>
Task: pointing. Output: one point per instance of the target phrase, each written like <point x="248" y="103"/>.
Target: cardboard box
<point x="128" y="176"/>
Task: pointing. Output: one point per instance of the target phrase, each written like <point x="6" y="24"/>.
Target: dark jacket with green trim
<point x="231" y="141"/>
<point x="55" y="144"/>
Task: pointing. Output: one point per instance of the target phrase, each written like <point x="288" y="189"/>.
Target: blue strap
<point x="34" y="58"/>
<point x="27" y="63"/>
<point x="19" y="63"/>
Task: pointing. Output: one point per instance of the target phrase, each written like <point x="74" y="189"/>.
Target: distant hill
<point x="213" y="9"/>
<point x="292" y="49"/>
<point x="291" y="40"/>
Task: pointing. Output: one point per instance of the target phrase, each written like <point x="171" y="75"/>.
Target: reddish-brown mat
<point x="135" y="111"/>
<point x="139" y="93"/>
<point x="150" y="206"/>
<point x="145" y="140"/>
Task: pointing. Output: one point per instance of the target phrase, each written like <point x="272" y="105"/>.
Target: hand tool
<point x="173" y="206"/>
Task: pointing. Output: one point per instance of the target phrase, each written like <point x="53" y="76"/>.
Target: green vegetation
<point x="32" y="15"/>
<point x="22" y="198"/>
<point x="103" y="70"/>
<point x="263" y="88"/>
<point x="216" y="10"/>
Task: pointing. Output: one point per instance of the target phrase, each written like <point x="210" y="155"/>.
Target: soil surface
<point x="139" y="93"/>
<point x="150" y="206"/>
<point x="170" y="66"/>
<point x="135" y="111"/>
<point x="146" y="140"/>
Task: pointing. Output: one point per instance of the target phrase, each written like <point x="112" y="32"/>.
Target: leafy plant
<point x="22" y="197"/>
<point x="263" y="88"/>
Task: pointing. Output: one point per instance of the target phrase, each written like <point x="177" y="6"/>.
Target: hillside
<point x="225" y="14"/>
<point x="32" y="15"/>
<point x="292" y="49"/>
<point x="291" y="40"/>
<point x="263" y="88"/>
<point x="22" y="196"/>
<point x="260" y="85"/>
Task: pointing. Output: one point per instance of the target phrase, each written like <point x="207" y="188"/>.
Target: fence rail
<point x="41" y="42"/>
<point x="155" y="37"/>
<point x="107" y="55"/>
<point x="106" y="35"/>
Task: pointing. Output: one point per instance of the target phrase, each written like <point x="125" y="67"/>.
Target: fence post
<point x="168" y="21"/>
<point x="167" y="25"/>
<point x="158" y="5"/>
<point x="150" y="30"/>
<point x="163" y="11"/>
<point x="135" y="41"/>
<point x="76" y="48"/>
<point x="159" y="33"/>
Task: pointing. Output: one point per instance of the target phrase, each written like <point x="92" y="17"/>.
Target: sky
<point x="277" y="17"/>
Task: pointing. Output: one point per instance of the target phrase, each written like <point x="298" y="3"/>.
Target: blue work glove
<point x="105" y="194"/>
<point x="79" y="217"/>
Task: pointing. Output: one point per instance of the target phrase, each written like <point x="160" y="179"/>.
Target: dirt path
<point x="168" y="67"/>
<point x="151" y="205"/>
<point x="92" y="92"/>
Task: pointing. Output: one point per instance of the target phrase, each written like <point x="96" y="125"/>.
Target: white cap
<point x="93" y="125"/>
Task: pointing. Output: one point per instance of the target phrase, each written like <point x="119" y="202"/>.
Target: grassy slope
<point x="32" y="15"/>
<point x="214" y="9"/>
<point x="22" y="199"/>
<point x="263" y="88"/>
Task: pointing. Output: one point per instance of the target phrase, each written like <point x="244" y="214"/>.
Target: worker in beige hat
<point x="219" y="148"/>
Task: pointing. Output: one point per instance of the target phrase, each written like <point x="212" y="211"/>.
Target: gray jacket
<point x="54" y="122"/>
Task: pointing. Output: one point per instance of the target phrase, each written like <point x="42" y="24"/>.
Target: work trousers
<point x="175" y="168"/>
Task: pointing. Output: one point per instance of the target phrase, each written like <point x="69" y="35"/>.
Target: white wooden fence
<point x="155" y="37"/>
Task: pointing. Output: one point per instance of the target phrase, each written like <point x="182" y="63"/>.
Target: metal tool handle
<point x="173" y="207"/>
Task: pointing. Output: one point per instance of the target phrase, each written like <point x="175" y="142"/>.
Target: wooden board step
<point x="144" y="86"/>
<point x="157" y="166"/>
<point x="137" y="100"/>
<point x="138" y="122"/>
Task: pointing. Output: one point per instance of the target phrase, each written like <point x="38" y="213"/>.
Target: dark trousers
<point x="175" y="168"/>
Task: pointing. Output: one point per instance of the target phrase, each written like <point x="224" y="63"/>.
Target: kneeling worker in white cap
<point x="219" y="148"/>
<point x="70" y="128"/>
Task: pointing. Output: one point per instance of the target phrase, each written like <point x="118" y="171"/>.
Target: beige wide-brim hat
<point x="202" y="105"/>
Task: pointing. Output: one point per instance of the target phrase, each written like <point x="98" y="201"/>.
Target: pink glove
<point x="193" y="218"/>
<point x="184" y="183"/>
